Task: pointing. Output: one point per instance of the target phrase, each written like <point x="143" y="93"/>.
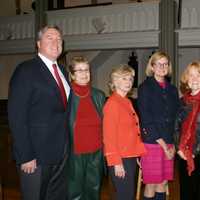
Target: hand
<point x="181" y="154"/>
<point x="170" y="152"/>
<point x="119" y="171"/>
<point x="29" y="167"/>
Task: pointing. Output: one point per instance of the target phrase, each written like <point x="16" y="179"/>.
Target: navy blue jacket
<point x="36" y="114"/>
<point x="157" y="110"/>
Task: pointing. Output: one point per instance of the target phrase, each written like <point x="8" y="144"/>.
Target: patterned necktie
<point x="60" y="85"/>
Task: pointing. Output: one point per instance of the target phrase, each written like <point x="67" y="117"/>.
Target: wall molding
<point x="17" y="46"/>
<point x="119" y="26"/>
<point x="189" y="37"/>
<point x="112" y="41"/>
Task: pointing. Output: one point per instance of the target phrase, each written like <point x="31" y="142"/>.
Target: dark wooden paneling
<point x="3" y="112"/>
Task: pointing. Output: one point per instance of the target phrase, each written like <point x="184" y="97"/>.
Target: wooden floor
<point x="10" y="182"/>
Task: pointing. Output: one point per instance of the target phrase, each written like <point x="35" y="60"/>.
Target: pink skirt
<point x="156" y="168"/>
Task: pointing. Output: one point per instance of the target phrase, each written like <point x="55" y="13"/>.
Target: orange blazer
<point x="121" y="131"/>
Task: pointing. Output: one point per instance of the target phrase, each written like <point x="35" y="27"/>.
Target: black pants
<point x="189" y="185"/>
<point x="46" y="183"/>
<point x="125" y="187"/>
<point x="85" y="176"/>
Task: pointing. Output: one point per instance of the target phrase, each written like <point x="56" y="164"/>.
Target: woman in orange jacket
<point x="121" y="133"/>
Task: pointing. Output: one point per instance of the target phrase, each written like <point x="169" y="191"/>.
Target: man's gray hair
<point x="45" y="28"/>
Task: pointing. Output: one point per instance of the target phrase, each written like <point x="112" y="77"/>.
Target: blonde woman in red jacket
<point x="121" y="133"/>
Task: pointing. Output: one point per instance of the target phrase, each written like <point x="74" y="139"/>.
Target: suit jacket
<point x="121" y="131"/>
<point x="98" y="99"/>
<point x="37" y="117"/>
<point x="157" y="110"/>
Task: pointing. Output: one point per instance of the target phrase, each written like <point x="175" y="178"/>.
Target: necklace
<point x="84" y="95"/>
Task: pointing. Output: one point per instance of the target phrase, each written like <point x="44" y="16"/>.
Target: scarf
<point x="188" y="129"/>
<point x="81" y="90"/>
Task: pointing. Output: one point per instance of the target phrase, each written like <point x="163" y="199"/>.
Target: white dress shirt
<point x="49" y="64"/>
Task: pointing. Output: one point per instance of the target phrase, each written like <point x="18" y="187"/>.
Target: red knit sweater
<point x="88" y="125"/>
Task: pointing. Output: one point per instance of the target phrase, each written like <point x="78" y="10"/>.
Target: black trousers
<point x="85" y="176"/>
<point x="46" y="183"/>
<point x="189" y="185"/>
<point x="125" y="187"/>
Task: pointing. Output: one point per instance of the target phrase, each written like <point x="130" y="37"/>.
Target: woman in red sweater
<point x="121" y="133"/>
<point x="85" y="129"/>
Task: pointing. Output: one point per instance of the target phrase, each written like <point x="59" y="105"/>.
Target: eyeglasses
<point x="161" y="65"/>
<point x="79" y="71"/>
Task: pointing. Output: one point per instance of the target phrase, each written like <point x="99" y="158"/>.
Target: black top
<point x="157" y="110"/>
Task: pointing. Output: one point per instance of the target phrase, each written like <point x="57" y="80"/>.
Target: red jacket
<point x="121" y="131"/>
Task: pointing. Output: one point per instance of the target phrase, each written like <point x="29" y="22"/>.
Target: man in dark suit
<point x="37" y="119"/>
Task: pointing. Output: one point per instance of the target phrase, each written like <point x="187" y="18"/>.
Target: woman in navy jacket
<point x="157" y="103"/>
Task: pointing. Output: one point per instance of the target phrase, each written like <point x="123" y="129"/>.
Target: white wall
<point x="130" y="1"/>
<point x="70" y="3"/>
<point x="88" y="54"/>
<point x="103" y="72"/>
<point x="186" y="56"/>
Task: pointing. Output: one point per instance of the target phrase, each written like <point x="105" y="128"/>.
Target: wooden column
<point x="167" y="37"/>
<point x="18" y="7"/>
<point x="40" y="14"/>
<point x="1" y="191"/>
<point x="56" y="4"/>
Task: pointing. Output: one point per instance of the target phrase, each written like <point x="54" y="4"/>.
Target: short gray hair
<point x="45" y="28"/>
